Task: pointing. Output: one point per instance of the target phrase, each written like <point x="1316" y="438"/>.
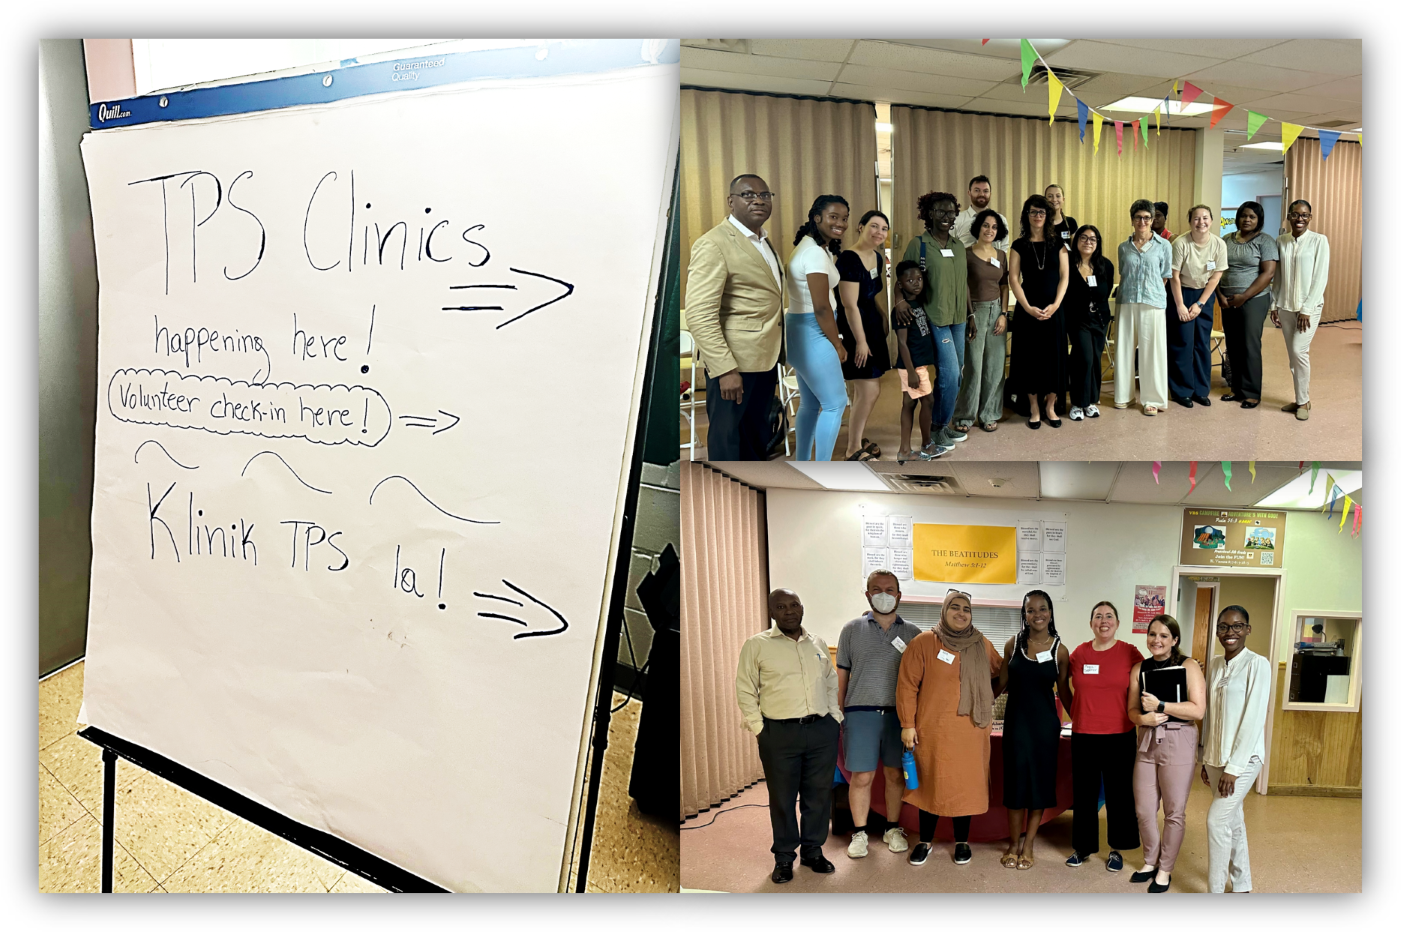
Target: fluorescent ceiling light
<point x="1295" y="492"/>
<point x="1276" y="146"/>
<point x="885" y="127"/>
<point x="842" y="476"/>
<point x="1147" y="104"/>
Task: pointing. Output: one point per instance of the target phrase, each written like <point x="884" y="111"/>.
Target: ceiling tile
<point x="1303" y="102"/>
<point x="1211" y="48"/>
<point x="932" y="61"/>
<point x="1235" y="93"/>
<point x="711" y="60"/>
<point x="1328" y="56"/>
<point x="1353" y="118"/>
<point x="913" y="81"/>
<point x="1108" y="88"/>
<point x="1246" y="74"/>
<point x="914" y="98"/>
<point x="996" y="48"/>
<point x="1016" y="107"/>
<point x="1342" y="88"/>
<point x="1014" y="92"/>
<point x="753" y="82"/>
<point x="809" y="49"/>
<point x="1101" y="56"/>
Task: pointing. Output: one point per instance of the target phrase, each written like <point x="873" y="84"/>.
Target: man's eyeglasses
<point x="1232" y="629"/>
<point x="751" y="196"/>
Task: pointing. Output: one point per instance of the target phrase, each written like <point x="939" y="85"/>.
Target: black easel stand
<point x="357" y="860"/>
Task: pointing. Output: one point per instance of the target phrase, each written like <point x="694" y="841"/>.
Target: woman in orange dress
<point x="944" y="699"/>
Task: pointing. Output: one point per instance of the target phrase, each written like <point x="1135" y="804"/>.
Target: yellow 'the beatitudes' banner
<point x="958" y="553"/>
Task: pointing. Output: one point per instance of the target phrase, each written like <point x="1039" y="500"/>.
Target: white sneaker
<point x="1077" y="413"/>
<point x="1092" y="411"/>
<point x="857" y="848"/>
<point x="895" y="838"/>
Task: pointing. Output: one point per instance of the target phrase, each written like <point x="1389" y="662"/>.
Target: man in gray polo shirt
<point x="868" y="665"/>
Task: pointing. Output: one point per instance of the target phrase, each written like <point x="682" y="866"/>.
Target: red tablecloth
<point x="991" y="825"/>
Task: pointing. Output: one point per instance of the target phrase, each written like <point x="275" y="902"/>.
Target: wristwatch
<point x="1161" y="706"/>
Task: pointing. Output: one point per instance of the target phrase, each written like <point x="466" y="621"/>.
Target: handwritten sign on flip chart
<point x="333" y="568"/>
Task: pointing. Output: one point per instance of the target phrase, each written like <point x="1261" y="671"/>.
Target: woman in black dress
<point x="1086" y="309"/>
<point x="1038" y="271"/>
<point x="862" y="323"/>
<point x="1033" y="664"/>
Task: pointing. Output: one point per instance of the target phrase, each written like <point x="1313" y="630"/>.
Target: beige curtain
<point x="724" y="591"/>
<point x="1334" y="188"/>
<point x="939" y="150"/>
<point x="801" y="147"/>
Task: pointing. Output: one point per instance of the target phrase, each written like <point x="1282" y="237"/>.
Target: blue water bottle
<point x="907" y="760"/>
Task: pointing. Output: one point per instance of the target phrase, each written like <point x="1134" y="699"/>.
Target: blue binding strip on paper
<point x="577" y="56"/>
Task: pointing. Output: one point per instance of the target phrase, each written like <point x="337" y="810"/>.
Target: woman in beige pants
<point x="1297" y="292"/>
<point x="1145" y="267"/>
<point x="1167" y="747"/>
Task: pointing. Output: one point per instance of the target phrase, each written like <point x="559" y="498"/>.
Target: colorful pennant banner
<point x="1252" y="472"/>
<point x="1157" y="467"/>
<point x="1188" y="94"/>
<point x="1327" y="490"/>
<point x="1192" y="476"/>
<point x="1226" y="471"/>
<point x="1253" y="122"/>
<point x="1314" y="477"/>
<point x="1347" y="509"/>
<point x="1356" y="520"/>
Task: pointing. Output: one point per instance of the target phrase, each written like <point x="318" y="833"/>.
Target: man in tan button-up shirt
<point x="787" y="692"/>
<point x="734" y="310"/>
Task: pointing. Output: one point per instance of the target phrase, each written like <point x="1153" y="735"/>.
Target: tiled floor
<point x="1298" y="844"/>
<point x="171" y="841"/>
<point x="1220" y="432"/>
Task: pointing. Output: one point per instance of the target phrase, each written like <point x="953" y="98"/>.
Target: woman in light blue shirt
<point x="1145" y="266"/>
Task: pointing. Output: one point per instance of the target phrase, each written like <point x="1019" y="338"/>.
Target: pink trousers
<point x="1162" y="774"/>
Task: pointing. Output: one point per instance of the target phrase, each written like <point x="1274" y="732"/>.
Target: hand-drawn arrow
<point x="523" y="609"/>
<point x="423" y="420"/>
<point x="486" y="304"/>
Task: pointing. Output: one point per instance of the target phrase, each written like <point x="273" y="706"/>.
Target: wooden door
<point x="1202" y="628"/>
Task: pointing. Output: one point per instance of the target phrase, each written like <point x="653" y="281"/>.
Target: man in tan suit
<point x="734" y="309"/>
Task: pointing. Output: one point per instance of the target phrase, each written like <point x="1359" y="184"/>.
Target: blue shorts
<point x="871" y="738"/>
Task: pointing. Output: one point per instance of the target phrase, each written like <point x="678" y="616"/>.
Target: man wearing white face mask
<point x="868" y="666"/>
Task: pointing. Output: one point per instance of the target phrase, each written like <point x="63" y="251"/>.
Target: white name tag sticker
<point x="945" y="656"/>
<point x="995" y="263"/>
<point x="898" y="644"/>
<point x="1044" y="656"/>
<point x="946" y="253"/>
<point x="1091" y="281"/>
<point x="1065" y="234"/>
<point x="1090" y="668"/>
<point x="1210" y="266"/>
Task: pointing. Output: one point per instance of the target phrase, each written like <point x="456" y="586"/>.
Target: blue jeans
<point x="948" y="347"/>
<point x="821" y="386"/>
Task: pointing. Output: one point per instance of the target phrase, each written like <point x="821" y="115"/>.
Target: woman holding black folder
<point x="1167" y="692"/>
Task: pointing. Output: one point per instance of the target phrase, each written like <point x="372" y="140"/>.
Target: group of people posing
<point x="1142" y="728"/>
<point x="950" y="316"/>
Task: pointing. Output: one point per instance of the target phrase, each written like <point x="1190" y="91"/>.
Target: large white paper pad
<point x="366" y="382"/>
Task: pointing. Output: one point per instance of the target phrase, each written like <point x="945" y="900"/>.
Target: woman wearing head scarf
<point x="944" y="699"/>
<point x="1034" y="663"/>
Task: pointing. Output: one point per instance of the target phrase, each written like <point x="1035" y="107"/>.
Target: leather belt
<point x="805" y="720"/>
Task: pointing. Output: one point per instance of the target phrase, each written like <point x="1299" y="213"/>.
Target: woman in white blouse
<point x="1297" y="289"/>
<point x="1232" y="747"/>
<point x="814" y="345"/>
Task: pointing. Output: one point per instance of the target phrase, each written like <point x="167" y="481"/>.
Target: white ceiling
<point x="1313" y="82"/>
<point x="1110" y="482"/>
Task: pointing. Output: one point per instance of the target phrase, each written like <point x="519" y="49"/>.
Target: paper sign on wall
<point x="872" y="559"/>
<point x="1028" y="569"/>
<point x="959" y="553"/>
<point x="1029" y="535"/>
<point x="1052" y="569"/>
<point x="901" y="531"/>
<point x="1053" y="536"/>
<point x="873" y="531"/>
<point x="1148" y="603"/>
<point x="902" y="563"/>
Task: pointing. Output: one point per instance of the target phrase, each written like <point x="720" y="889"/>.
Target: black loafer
<point x="962" y="852"/>
<point x="1202" y="400"/>
<point x="1143" y="876"/>
<point x="1185" y="402"/>
<point x="1232" y="397"/>
<point x="819" y="865"/>
<point x="1249" y="403"/>
<point x="1156" y="887"/>
<point x="1055" y="423"/>
<point x="782" y="873"/>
